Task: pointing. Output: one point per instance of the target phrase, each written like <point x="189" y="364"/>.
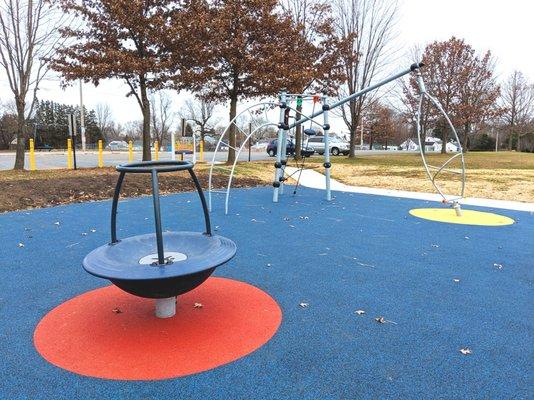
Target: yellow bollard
<point x="69" y="153"/>
<point x="32" y="155"/>
<point x="201" y="151"/>
<point x="100" y="155"/>
<point x="130" y="151"/>
<point x="156" y="150"/>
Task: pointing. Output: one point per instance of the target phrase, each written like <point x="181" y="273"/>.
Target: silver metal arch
<point x="238" y="150"/>
<point x="432" y="176"/>
<point x="223" y="135"/>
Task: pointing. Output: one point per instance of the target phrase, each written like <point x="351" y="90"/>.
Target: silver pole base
<point x="457" y="208"/>
<point x="166" y="308"/>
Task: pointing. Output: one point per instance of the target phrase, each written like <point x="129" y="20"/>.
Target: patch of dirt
<point x="26" y="190"/>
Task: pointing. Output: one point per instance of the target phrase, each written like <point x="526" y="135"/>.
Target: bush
<point x="482" y="142"/>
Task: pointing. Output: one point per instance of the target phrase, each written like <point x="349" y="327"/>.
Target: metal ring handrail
<point x="158" y="166"/>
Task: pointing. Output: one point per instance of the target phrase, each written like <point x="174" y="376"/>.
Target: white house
<point x="432" y="144"/>
<point x="409" y="145"/>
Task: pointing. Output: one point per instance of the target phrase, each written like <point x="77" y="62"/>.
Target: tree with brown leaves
<point x="381" y="124"/>
<point x="120" y="39"/>
<point x="244" y="49"/>
<point x="464" y="84"/>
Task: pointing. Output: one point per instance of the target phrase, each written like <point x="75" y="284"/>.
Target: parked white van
<point x="337" y="146"/>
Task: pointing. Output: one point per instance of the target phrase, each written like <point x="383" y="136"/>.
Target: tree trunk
<point x="147" y="156"/>
<point x="21" y="135"/>
<point x="231" y="131"/>
<point x="511" y="137"/>
<point x="354" y="118"/>
<point x="298" y="134"/>
<point x="202" y="135"/>
<point x="422" y="135"/>
<point x="465" y="145"/>
<point x="445" y="138"/>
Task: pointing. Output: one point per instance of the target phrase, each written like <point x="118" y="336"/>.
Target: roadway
<point x="88" y="159"/>
<point x="58" y="159"/>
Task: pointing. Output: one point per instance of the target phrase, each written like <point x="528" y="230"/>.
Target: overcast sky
<point x="504" y="27"/>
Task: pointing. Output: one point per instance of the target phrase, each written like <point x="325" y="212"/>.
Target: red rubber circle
<point x="107" y="333"/>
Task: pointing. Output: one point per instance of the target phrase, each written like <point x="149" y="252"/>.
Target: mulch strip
<point x="24" y="191"/>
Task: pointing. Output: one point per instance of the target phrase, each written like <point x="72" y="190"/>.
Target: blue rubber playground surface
<point x="439" y="288"/>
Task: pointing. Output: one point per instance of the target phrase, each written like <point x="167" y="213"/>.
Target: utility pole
<point x="496" y="141"/>
<point x="82" y="118"/>
<point x="249" y="140"/>
<point x="361" y="134"/>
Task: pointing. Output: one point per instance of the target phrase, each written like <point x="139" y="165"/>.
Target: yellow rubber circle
<point x="468" y="217"/>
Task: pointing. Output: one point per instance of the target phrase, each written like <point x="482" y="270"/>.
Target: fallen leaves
<point x="198" y="305"/>
<point x="382" y="320"/>
<point x="498" y="266"/>
<point x="304" y="305"/>
<point x="359" y="312"/>
<point x="117" y="310"/>
<point x="466" y="351"/>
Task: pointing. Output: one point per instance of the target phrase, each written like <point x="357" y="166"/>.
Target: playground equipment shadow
<point x="358" y="252"/>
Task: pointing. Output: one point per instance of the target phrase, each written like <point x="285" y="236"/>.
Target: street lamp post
<point x="82" y="118"/>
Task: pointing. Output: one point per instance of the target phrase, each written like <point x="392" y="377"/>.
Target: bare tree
<point x="366" y="27"/>
<point x="517" y="100"/>
<point x="201" y="111"/>
<point x="104" y="119"/>
<point x="162" y="116"/>
<point x="115" y="131"/>
<point x="133" y="130"/>
<point x="29" y="38"/>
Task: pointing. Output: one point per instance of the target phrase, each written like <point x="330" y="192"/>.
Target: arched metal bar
<point x="154" y="167"/>
<point x="203" y="201"/>
<point x="238" y="150"/>
<point x="432" y="176"/>
<point x="114" y="208"/>
<point x="157" y="217"/>
<point x="218" y="145"/>
<point x="264" y="105"/>
<point x="442" y="168"/>
<point x="229" y="186"/>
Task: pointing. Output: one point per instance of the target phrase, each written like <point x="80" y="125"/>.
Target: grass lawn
<point x="503" y="175"/>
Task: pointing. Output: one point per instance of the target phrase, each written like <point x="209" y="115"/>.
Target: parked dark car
<point x="290" y="149"/>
